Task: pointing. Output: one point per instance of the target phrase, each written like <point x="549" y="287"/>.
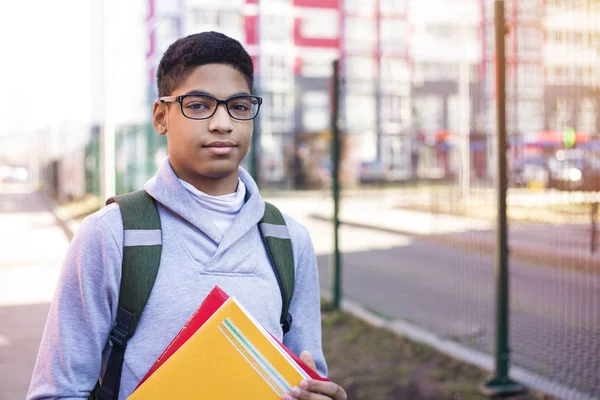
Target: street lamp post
<point x="464" y="111"/>
<point x="107" y="132"/>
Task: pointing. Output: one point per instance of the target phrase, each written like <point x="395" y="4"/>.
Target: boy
<point x="209" y="208"/>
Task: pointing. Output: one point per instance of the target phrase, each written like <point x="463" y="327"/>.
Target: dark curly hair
<point x="191" y="51"/>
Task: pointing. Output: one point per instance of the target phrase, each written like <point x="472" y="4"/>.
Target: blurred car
<point x="574" y="170"/>
<point x="13" y="174"/>
<point x="565" y="170"/>
<point x="529" y="172"/>
<point x="374" y="172"/>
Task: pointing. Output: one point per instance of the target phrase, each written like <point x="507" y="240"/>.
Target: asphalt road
<point x="554" y="317"/>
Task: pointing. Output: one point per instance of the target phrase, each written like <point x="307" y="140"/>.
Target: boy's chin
<point x="219" y="172"/>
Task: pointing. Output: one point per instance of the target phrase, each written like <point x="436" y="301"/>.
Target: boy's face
<point x="193" y="144"/>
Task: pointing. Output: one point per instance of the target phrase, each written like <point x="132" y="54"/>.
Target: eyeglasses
<point x="203" y="106"/>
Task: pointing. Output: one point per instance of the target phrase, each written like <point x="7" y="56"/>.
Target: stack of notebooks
<point x="223" y="353"/>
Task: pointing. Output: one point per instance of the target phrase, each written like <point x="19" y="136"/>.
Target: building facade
<point x="418" y="92"/>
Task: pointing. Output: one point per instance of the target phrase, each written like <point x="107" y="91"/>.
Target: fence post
<point x="255" y="146"/>
<point x="500" y="384"/>
<point x="593" y="229"/>
<point x="335" y="158"/>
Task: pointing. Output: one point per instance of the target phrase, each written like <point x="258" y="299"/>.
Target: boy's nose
<point x="221" y="120"/>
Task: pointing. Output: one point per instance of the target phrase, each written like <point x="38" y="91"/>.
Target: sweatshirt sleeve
<point x="305" y="308"/>
<point x="81" y="314"/>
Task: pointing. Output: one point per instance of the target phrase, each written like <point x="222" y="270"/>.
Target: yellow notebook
<point x="231" y="356"/>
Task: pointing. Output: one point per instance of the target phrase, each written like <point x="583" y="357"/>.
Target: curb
<point x="68" y="225"/>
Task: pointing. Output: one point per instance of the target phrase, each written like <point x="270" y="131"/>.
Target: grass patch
<point x="81" y="208"/>
<point x="376" y="364"/>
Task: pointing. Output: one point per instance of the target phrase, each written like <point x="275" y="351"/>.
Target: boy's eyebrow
<point x="203" y="93"/>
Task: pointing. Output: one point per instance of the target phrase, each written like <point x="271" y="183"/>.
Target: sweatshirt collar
<point x="166" y="189"/>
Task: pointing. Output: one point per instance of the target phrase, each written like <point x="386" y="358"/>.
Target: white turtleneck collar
<point x="223" y="209"/>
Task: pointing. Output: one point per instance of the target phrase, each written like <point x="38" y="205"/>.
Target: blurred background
<point x="418" y="148"/>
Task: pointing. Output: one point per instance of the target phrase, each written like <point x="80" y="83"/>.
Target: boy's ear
<point x="159" y="117"/>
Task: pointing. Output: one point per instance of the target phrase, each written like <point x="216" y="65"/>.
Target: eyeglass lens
<point x="199" y="107"/>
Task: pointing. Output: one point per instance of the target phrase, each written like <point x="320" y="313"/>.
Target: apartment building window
<point x="231" y="23"/>
<point x="360" y="112"/>
<point x="316" y="67"/>
<point x="436" y="72"/>
<point x="530" y="41"/>
<point x="315" y="111"/>
<point x="430" y="112"/>
<point x="278" y="72"/>
<point x="530" y="9"/>
<point x="360" y="34"/>
<point x="360" y="67"/>
<point x="393" y="7"/>
<point x="393" y="35"/>
<point x="168" y="28"/>
<point x="394" y="70"/>
<point x="391" y="110"/>
<point x="276" y="29"/>
<point x="442" y="31"/>
<point x="226" y="21"/>
<point x="361" y="6"/>
<point x="530" y="115"/>
<point x="279" y="112"/>
<point x="205" y="20"/>
<point x="587" y="115"/>
<point x="323" y="24"/>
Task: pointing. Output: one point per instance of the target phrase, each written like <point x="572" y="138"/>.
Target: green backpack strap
<point x="278" y="244"/>
<point x="142" y="246"/>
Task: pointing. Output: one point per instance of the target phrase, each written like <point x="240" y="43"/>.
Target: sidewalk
<point x="564" y="245"/>
<point x="32" y="250"/>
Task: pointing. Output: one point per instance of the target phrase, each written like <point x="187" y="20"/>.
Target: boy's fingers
<point x="309" y="360"/>
<point x="331" y="390"/>
<point x="304" y="395"/>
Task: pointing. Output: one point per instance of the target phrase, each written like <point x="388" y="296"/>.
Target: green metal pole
<point x="335" y="155"/>
<point x="255" y="147"/>
<point x="501" y="385"/>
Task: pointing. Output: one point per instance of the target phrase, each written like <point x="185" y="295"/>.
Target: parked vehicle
<point x="565" y="170"/>
<point x="529" y="172"/>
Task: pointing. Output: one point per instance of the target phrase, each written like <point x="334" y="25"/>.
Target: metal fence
<point x="437" y="182"/>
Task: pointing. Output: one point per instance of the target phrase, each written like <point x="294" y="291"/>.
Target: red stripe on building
<point x="317" y="3"/>
<point x="250" y="28"/>
<point x="299" y="40"/>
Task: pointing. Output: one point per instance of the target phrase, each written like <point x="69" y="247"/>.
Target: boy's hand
<point x="315" y="390"/>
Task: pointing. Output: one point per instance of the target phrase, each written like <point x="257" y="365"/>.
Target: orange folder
<point x="223" y="352"/>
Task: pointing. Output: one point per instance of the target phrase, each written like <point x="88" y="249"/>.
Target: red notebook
<point x="209" y="306"/>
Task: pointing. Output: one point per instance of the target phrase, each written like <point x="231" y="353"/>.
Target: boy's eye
<point x="239" y="107"/>
<point x="197" y="106"/>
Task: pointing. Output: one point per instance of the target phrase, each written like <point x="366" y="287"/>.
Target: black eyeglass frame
<point x="179" y="99"/>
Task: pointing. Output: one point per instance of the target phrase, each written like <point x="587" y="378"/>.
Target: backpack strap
<point x="278" y="245"/>
<point x="142" y="246"/>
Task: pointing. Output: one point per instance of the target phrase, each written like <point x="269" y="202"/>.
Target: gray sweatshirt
<point x="195" y="257"/>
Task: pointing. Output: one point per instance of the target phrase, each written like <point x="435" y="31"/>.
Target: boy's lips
<point x="220" y="147"/>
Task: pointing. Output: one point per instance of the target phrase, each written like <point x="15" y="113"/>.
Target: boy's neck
<point x="212" y="186"/>
<point x="216" y="187"/>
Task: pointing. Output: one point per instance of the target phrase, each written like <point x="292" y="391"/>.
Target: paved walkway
<point x="33" y="245"/>
<point x="565" y="244"/>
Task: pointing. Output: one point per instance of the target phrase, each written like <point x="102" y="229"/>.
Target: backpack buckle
<point x="119" y="337"/>
<point x="120" y="332"/>
<point x="287" y="324"/>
